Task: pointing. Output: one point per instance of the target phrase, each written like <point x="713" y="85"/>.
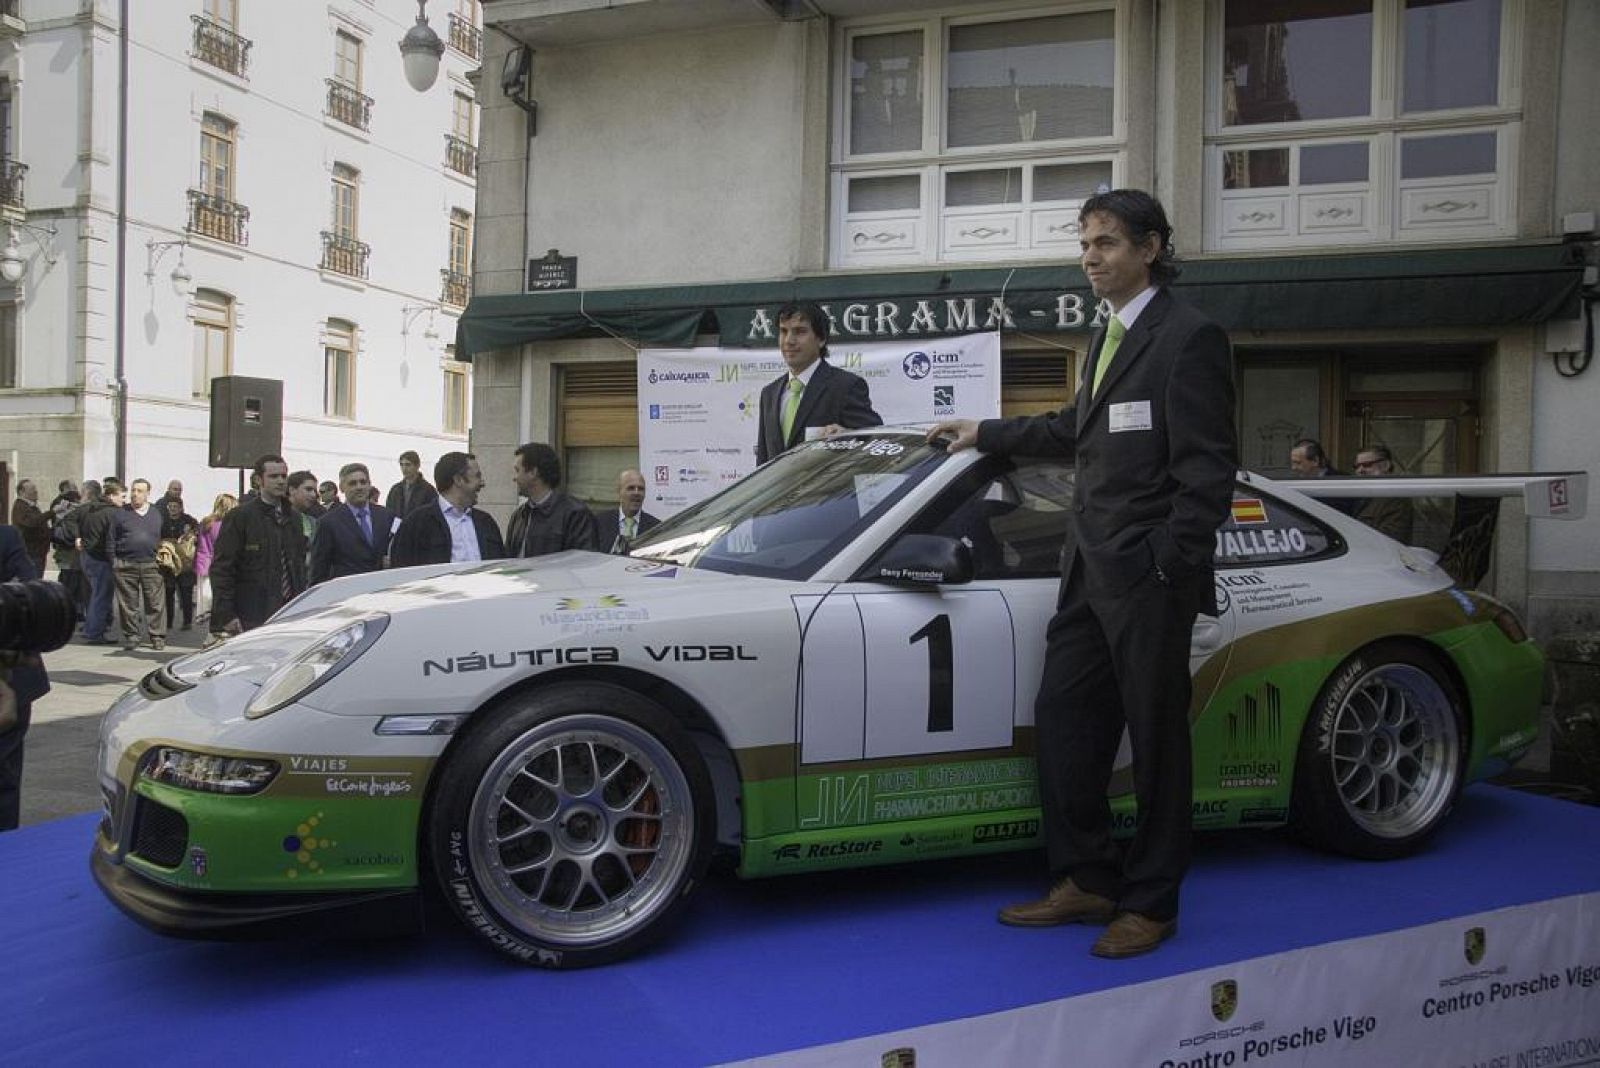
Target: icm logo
<point x="655" y="411"/>
<point x="916" y="365"/>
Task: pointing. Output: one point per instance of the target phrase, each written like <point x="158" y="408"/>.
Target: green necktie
<point x="628" y="525"/>
<point x="1114" y="334"/>
<point x="791" y="405"/>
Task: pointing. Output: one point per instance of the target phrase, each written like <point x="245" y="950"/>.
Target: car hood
<point x="581" y="576"/>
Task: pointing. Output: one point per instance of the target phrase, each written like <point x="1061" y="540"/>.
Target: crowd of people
<point x="139" y="567"/>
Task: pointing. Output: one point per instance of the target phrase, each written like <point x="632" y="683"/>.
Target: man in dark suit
<point x="1152" y="431"/>
<point x="813" y="393"/>
<point x="549" y="520"/>
<point x="412" y="491"/>
<point x="450" y="529"/>
<point x="1308" y="460"/>
<point x="352" y="538"/>
<point x="620" y="525"/>
<point x="31" y="523"/>
<point x="20" y="686"/>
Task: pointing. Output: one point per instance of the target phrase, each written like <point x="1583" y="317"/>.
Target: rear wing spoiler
<point x="1545" y="495"/>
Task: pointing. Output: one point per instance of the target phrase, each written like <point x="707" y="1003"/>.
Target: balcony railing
<point x="457" y="288"/>
<point x="464" y="36"/>
<point x="344" y="255"/>
<point x="12" y="177"/>
<point x="219" y="219"/>
<point x="460" y="156"/>
<point x="219" y="46"/>
<point x="349" y="105"/>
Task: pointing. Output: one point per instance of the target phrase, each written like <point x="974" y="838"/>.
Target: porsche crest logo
<point x="904" y="1057"/>
<point x="1224" y="999"/>
<point x="1474" y="944"/>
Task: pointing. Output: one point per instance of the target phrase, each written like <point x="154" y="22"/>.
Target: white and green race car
<point x="830" y="663"/>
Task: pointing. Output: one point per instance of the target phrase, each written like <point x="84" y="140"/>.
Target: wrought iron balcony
<point x="344" y="255"/>
<point x="460" y="156"/>
<point x="219" y="46"/>
<point x="464" y="36"/>
<point x="457" y="288"/>
<point x="349" y="105"/>
<point x="219" y="219"/>
<point x="12" y="177"/>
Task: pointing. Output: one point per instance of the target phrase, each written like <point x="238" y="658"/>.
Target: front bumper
<point x="200" y="914"/>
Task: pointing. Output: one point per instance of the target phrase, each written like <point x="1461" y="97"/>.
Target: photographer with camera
<point x="35" y="617"/>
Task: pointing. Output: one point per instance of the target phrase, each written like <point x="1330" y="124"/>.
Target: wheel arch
<point x="677" y="702"/>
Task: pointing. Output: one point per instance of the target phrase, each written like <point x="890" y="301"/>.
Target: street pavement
<point x="58" y="775"/>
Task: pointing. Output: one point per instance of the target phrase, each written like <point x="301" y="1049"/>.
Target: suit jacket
<point x="424" y="538"/>
<point x="34" y="528"/>
<point x="561" y="523"/>
<point x="1151" y="493"/>
<point x="338" y="549"/>
<point x="28" y="677"/>
<point x="609" y="523"/>
<point x="832" y="396"/>
<point x="422" y="494"/>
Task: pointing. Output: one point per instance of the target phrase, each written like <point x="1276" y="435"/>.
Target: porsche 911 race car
<point x="830" y="663"/>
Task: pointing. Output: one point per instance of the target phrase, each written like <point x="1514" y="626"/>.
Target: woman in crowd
<point x="210" y="526"/>
<point x="176" y="555"/>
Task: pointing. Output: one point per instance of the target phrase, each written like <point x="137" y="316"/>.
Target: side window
<point x="1012" y="515"/>
<point x="1263" y="530"/>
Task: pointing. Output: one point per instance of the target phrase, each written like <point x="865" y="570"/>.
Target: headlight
<point x="316" y="665"/>
<point x="204" y="771"/>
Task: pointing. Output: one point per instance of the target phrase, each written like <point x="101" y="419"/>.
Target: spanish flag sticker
<point x="1249" y="510"/>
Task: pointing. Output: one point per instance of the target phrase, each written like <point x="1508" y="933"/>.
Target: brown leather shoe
<point x="1131" y="934"/>
<point x="1065" y="903"/>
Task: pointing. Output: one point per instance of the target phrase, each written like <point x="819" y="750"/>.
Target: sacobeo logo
<point x="916" y="365"/>
<point x="1224" y="999"/>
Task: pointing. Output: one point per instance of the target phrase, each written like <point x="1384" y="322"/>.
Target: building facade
<point x="1389" y="204"/>
<point x="285" y="207"/>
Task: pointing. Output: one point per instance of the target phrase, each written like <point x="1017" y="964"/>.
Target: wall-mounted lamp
<point x="182" y="280"/>
<point x="420" y="51"/>
<point x="515" y="78"/>
<point x="12" y="263"/>
<point x="408" y="315"/>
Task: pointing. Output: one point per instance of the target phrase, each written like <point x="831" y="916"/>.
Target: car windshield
<point x="791" y="515"/>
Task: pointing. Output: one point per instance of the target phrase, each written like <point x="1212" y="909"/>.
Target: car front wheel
<point x="569" y="827"/>
<point x="1383" y="756"/>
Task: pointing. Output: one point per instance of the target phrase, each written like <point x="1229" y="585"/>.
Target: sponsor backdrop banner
<point x="1513" y="988"/>
<point x="699" y="408"/>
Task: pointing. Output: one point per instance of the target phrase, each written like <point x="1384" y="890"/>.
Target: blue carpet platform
<point x="792" y="968"/>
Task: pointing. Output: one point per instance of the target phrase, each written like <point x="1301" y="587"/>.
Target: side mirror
<point x="922" y="559"/>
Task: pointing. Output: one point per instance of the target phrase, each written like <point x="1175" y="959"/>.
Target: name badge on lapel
<point x="1130" y="415"/>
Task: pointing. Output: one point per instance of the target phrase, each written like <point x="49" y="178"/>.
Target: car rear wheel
<point x="569" y="828"/>
<point x="1383" y="755"/>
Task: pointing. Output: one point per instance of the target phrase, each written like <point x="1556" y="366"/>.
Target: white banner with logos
<point x="699" y="409"/>
<point x="1514" y="988"/>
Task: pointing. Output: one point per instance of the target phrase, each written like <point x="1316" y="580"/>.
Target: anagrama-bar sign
<point x="883" y="320"/>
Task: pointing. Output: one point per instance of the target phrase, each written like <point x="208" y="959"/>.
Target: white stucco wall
<point x="678" y="158"/>
<point x="65" y="70"/>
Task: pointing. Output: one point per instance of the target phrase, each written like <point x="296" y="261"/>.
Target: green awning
<point x="1495" y="286"/>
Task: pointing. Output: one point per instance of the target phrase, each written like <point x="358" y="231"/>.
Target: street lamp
<point x="182" y="280"/>
<point x="408" y="315"/>
<point x="12" y="263"/>
<point x="420" y="51"/>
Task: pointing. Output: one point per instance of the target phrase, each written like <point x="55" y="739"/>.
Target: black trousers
<point x="11" y="768"/>
<point x="1113" y="663"/>
<point x="180" y="588"/>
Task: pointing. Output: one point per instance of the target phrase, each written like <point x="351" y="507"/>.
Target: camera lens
<point x="35" y="616"/>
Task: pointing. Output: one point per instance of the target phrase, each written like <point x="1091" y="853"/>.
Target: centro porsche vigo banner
<point x="699" y="409"/>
